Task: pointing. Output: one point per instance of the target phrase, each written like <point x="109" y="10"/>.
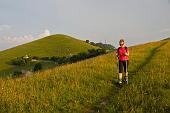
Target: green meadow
<point x="55" y="45"/>
<point x="89" y="86"/>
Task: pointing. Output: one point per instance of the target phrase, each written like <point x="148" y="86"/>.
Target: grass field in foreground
<point x="55" y="45"/>
<point x="149" y="88"/>
<point x="89" y="86"/>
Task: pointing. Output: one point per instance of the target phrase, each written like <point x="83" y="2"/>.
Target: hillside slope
<point x="55" y="45"/>
<point x="89" y="86"/>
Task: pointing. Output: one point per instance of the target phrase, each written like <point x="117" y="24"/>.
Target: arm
<point x="127" y="53"/>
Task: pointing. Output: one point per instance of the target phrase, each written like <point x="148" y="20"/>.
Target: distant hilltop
<point x="167" y="38"/>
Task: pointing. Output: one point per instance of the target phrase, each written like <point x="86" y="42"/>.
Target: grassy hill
<point x="90" y="86"/>
<point x="167" y="38"/>
<point x="55" y="45"/>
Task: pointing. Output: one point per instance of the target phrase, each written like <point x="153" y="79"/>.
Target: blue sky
<point x="137" y="21"/>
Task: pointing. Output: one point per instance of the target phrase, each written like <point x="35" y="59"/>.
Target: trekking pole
<point x="117" y="61"/>
<point x="126" y="67"/>
<point x="126" y="74"/>
<point x="117" y="64"/>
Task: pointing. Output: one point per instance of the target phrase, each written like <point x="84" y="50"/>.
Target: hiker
<point x="123" y="57"/>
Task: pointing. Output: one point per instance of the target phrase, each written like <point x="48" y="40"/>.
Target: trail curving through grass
<point x="110" y="104"/>
<point x="88" y="86"/>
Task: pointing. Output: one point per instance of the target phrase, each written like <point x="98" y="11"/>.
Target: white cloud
<point x="18" y="40"/>
<point x="14" y="41"/>
<point x="45" y="33"/>
<point x="4" y="27"/>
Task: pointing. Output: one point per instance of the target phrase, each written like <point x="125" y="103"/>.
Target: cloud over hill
<point x="8" y="42"/>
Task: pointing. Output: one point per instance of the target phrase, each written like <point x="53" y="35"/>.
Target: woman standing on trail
<point x="123" y="57"/>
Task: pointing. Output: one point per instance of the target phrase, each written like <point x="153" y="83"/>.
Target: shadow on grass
<point x="101" y="105"/>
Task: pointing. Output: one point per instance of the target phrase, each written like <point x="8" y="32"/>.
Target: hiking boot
<point x="126" y="79"/>
<point x="120" y="82"/>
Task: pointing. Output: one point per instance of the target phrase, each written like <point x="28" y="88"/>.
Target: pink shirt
<point x="121" y="53"/>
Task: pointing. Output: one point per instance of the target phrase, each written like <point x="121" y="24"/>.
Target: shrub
<point x="101" y="51"/>
<point x="87" y="41"/>
<point x="105" y="46"/>
<point x="45" y="58"/>
<point x="19" y="62"/>
<point x="35" y="57"/>
<point x="38" y="67"/>
<point x="82" y="55"/>
<point x="55" y="59"/>
<point x="17" y="73"/>
<point x="62" y="60"/>
<point x="77" y="57"/>
<point x="92" y="43"/>
<point x="92" y="53"/>
<point x="73" y="58"/>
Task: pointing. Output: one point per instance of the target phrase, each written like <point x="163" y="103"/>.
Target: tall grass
<point x="81" y="87"/>
<point x="149" y="89"/>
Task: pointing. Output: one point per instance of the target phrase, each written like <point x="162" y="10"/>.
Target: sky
<point x="137" y="21"/>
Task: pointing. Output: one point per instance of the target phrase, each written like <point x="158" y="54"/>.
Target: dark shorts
<point x="123" y="66"/>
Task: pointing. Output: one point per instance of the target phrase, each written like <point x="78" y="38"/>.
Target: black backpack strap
<point x="126" y="49"/>
<point x="118" y="50"/>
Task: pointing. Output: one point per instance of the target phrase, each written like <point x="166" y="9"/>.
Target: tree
<point x="38" y="67"/>
<point x="92" y="53"/>
<point x="87" y="41"/>
<point x="101" y="51"/>
<point x="105" y="46"/>
<point x="19" y="62"/>
<point x="82" y="55"/>
<point x="35" y="58"/>
<point x="92" y="43"/>
<point x="45" y="58"/>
